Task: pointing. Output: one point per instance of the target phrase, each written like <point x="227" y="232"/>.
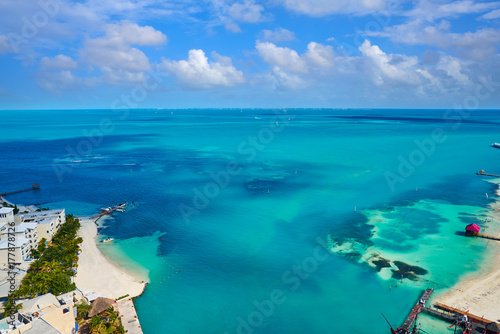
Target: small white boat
<point x="495" y="145"/>
<point x="108" y="239"/>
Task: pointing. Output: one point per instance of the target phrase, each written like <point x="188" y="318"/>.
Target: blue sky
<point x="249" y="53"/>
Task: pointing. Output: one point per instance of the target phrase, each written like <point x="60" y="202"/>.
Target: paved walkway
<point x="129" y="317"/>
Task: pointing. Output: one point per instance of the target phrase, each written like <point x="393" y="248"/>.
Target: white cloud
<point x="58" y="62"/>
<point x="56" y="82"/>
<point x="389" y="69"/>
<point x="320" y="55"/>
<point x="453" y="68"/>
<point x="320" y="8"/>
<point x="428" y="24"/>
<point x="494" y="14"/>
<point x="477" y="45"/>
<point x="55" y="73"/>
<point x="247" y="11"/>
<point x="277" y="35"/>
<point x="283" y="79"/>
<point x="291" y="70"/>
<point x="5" y="46"/>
<point x="114" y="55"/>
<point x="197" y="72"/>
<point x="282" y="57"/>
<point x="317" y="55"/>
<point x="430" y="11"/>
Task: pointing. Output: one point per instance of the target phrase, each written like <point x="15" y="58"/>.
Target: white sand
<point x="96" y="273"/>
<point x="480" y="295"/>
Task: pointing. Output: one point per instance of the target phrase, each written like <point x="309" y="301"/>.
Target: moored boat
<point x="108" y="239"/>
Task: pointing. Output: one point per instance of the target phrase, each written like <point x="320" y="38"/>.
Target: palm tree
<point x="120" y="330"/>
<point x="95" y="324"/>
<point x="82" y="310"/>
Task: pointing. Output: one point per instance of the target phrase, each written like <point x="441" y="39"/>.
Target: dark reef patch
<point x="406" y="270"/>
<point x="380" y="262"/>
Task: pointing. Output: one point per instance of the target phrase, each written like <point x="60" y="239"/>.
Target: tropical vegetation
<point x="54" y="264"/>
<point x="107" y="322"/>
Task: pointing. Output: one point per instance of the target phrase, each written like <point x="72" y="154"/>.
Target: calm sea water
<point x="263" y="221"/>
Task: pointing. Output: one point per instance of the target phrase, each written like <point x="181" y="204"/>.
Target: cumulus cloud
<point x="277" y="35"/>
<point x="494" y="14"/>
<point x="317" y="55"/>
<point x="291" y="70"/>
<point x="58" y="62"/>
<point x="56" y="82"/>
<point x="114" y="55"/>
<point x="319" y="8"/>
<point x="282" y="57"/>
<point x="198" y="72"/>
<point x="55" y="73"/>
<point x="247" y="11"/>
<point x="428" y="24"/>
<point x="477" y="45"/>
<point x="453" y="68"/>
<point x="431" y="11"/>
<point x="283" y="79"/>
<point x="389" y="68"/>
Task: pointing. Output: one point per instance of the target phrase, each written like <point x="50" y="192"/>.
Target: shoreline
<point x="479" y="291"/>
<point x="98" y="273"/>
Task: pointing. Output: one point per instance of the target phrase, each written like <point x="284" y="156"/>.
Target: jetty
<point x="457" y="311"/>
<point x="408" y="323"/>
<point x="110" y="210"/>
<point x="473" y="323"/>
<point x="439" y="314"/>
<point x="472" y="230"/>
<point x="481" y="172"/>
<point x="35" y="186"/>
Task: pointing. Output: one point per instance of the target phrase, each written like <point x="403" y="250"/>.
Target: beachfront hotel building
<point x="27" y="231"/>
<point x="48" y="222"/>
<point x="6" y="215"/>
<point x="24" y="237"/>
<point x="44" y="314"/>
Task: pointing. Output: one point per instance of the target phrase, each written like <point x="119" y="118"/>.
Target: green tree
<point x="82" y="310"/>
<point x="96" y="324"/>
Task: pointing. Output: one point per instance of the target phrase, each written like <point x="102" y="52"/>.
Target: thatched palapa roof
<point x="99" y="305"/>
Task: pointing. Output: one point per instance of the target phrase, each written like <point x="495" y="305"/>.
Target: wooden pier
<point x="36" y="186"/>
<point x="439" y="314"/>
<point x="416" y="310"/>
<point x="107" y="211"/>
<point x="486" y="174"/>
<point x="469" y="315"/>
<point x="492" y="237"/>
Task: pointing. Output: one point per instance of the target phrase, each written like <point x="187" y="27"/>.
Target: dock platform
<point x="486" y="236"/>
<point x="439" y="314"/>
<point x="469" y="315"/>
<point x="416" y="310"/>
<point x="35" y="186"/>
<point x="107" y="211"/>
<point x="128" y="316"/>
<point x="486" y="174"/>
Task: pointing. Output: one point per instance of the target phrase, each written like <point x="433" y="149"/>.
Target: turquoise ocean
<point x="269" y="221"/>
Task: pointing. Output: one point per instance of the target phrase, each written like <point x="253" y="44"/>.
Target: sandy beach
<point x="96" y="273"/>
<point x="480" y="295"/>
